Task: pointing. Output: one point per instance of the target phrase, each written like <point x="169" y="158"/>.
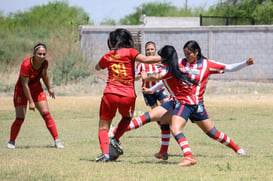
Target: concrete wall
<point x="226" y="44"/>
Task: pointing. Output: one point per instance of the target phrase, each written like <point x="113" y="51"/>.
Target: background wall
<point x="226" y="44"/>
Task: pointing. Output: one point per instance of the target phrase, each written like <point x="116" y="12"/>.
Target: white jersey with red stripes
<point x="149" y="69"/>
<point x="179" y="91"/>
<point x="200" y="72"/>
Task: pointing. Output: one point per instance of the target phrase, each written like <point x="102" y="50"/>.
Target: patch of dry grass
<point x="247" y="119"/>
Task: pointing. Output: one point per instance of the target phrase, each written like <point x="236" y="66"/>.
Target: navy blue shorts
<point x="185" y="111"/>
<point x="200" y="115"/>
<point x="151" y="99"/>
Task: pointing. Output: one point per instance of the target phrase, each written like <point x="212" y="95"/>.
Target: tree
<point x="160" y="10"/>
<point x="259" y="10"/>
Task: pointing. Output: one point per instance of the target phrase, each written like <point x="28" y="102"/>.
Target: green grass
<point x="248" y="120"/>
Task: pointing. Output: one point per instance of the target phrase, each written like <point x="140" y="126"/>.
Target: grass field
<point x="247" y="119"/>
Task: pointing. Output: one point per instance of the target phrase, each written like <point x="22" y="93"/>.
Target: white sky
<point x="99" y="10"/>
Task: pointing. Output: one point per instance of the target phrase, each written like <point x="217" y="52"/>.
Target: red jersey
<point x="121" y="71"/>
<point x="34" y="75"/>
<point x="179" y="91"/>
<point x="200" y="72"/>
<point x="149" y="69"/>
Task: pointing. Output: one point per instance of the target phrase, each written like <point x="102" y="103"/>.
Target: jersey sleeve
<point x="103" y="62"/>
<point x="134" y="53"/>
<point x="24" y="71"/>
<point x="216" y="67"/>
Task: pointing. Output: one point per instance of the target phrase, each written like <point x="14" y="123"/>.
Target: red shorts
<point x="111" y="102"/>
<point x="19" y="98"/>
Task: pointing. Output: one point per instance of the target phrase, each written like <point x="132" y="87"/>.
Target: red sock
<point x="50" y="124"/>
<point x="15" y="128"/>
<point x="104" y="141"/>
<point x="122" y="127"/>
<point x="184" y="145"/>
<point x="165" y="138"/>
<point x="224" y="139"/>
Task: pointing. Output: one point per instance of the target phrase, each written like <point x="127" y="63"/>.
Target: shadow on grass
<point x="35" y="146"/>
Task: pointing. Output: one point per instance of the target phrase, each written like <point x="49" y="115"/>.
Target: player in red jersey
<point x="28" y="89"/>
<point x="200" y="68"/>
<point x="183" y="103"/>
<point x="119" y="93"/>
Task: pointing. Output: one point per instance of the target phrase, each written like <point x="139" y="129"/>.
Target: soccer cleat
<point x="187" y="162"/>
<point x="11" y="145"/>
<point x="58" y="144"/>
<point x="162" y="156"/>
<point x="103" y="158"/>
<point x="242" y="152"/>
<point x="116" y="146"/>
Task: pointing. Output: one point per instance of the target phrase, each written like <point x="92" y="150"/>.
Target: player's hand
<point x="250" y="61"/>
<point x="32" y="106"/>
<point x="146" y="90"/>
<point x="51" y="93"/>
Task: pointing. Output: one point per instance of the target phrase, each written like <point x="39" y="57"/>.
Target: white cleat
<point x="58" y="144"/>
<point x="242" y="152"/>
<point x="11" y="145"/>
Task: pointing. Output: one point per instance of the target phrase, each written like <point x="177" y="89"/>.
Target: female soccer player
<point x="199" y="68"/>
<point x="119" y="92"/>
<point x="152" y="99"/>
<point x="28" y="89"/>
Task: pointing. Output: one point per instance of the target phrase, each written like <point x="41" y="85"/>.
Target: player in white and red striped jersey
<point x="200" y="68"/>
<point x="153" y="98"/>
<point x="158" y="95"/>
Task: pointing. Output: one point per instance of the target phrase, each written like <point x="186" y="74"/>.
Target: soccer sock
<point x="50" y="124"/>
<point x="122" y="127"/>
<point x="165" y="138"/>
<point x="184" y="145"/>
<point x="104" y="141"/>
<point x="139" y="121"/>
<point x="222" y="138"/>
<point x="15" y="128"/>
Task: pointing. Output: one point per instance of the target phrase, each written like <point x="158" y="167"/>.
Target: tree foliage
<point x="160" y="10"/>
<point x="259" y="10"/>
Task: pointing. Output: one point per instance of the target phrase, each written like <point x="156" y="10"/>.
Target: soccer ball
<point x="113" y="153"/>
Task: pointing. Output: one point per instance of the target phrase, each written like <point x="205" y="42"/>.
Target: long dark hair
<point x="120" y="38"/>
<point x="171" y="60"/>
<point x="192" y="45"/>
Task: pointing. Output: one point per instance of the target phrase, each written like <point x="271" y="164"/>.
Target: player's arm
<point x="153" y="77"/>
<point x="152" y="89"/>
<point x="238" y="66"/>
<point x="27" y="93"/>
<point x="47" y="83"/>
<point x="148" y="59"/>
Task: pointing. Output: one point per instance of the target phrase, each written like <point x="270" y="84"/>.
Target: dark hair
<point x="120" y="38"/>
<point x="37" y="46"/>
<point x="171" y="59"/>
<point x="192" y="45"/>
<point x="149" y="42"/>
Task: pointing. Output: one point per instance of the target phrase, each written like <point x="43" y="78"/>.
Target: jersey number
<point x="119" y="70"/>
